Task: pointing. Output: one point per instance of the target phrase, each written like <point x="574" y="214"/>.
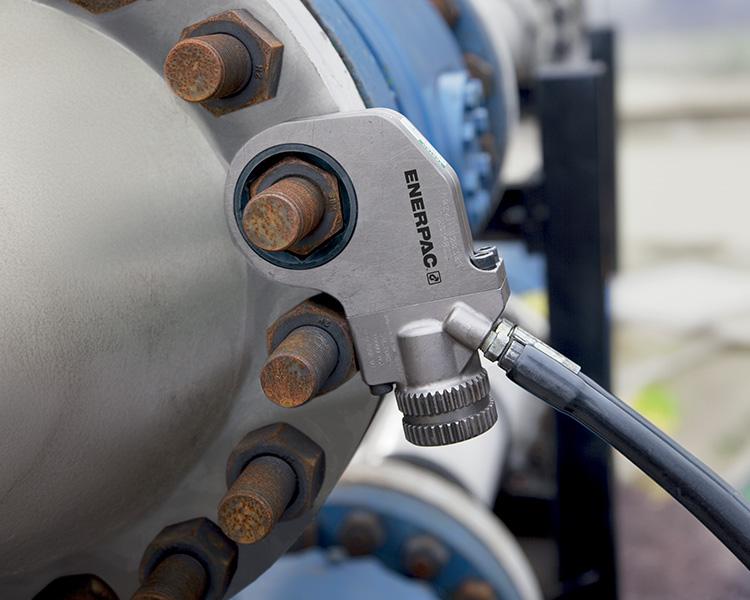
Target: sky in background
<point x="665" y="15"/>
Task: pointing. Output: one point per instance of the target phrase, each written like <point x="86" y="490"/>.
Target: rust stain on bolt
<point x="281" y="215"/>
<point x="361" y="533"/>
<point x="257" y="499"/>
<point x="474" y="589"/>
<point x="177" y="577"/>
<point x="424" y="557"/>
<point x="299" y="366"/>
<point x="207" y="67"/>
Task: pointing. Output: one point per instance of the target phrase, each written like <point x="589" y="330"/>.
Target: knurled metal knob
<point x="449" y="414"/>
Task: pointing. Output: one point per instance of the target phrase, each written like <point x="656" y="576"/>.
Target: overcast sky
<point x="673" y="14"/>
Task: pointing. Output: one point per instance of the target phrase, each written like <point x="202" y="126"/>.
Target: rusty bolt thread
<point x="257" y="499"/>
<point x="208" y="67"/>
<point x="299" y="367"/>
<point x="474" y="589"/>
<point x="283" y="214"/>
<point x="177" y="577"/>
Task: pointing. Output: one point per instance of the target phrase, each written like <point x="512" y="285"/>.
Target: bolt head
<point x="424" y="557"/>
<point x="361" y="533"/>
<point x="474" y="589"/>
<point x="332" y="220"/>
<point x="265" y="50"/>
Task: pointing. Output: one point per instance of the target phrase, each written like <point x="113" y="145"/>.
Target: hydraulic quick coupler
<point x="418" y="298"/>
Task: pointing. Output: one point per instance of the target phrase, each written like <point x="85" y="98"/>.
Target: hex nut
<point x="266" y="52"/>
<point x="315" y="312"/>
<point x="99" y="7"/>
<point x="332" y="221"/>
<point x="283" y="441"/>
<point x="77" y="587"/>
<point x="204" y="541"/>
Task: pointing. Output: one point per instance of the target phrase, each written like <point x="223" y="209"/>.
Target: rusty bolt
<point x="299" y="366"/>
<point x="294" y="448"/>
<point x="203" y="542"/>
<point x="474" y="589"/>
<point x="101" y="6"/>
<point x="257" y="499"/>
<point x="177" y="577"/>
<point x="235" y="62"/>
<point x="294" y="206"/>
<point x="449" y="10"/>
<point x="281" y="215"/>
<point x="304" y="365"/>
<point x="77" y="587"/>
<point x="424" y="557"/>
<point x="205" y="67"/>
<point x="361" y="533"/>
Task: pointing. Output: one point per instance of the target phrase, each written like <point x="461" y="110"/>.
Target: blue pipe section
<point x="403" y="56"/>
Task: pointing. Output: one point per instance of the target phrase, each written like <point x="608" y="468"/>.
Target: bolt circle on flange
<point x="224" y="63"/>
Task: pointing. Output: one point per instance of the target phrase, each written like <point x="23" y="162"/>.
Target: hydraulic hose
<point x="557" y="381"/>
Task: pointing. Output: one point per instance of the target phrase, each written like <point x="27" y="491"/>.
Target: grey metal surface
<point x="132" y="330"/>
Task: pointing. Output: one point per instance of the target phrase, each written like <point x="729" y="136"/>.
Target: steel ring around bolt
<point x="331" y="248"/>
<point x="346" y="363"/>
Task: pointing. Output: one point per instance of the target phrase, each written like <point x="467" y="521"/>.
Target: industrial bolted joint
<point x="402" y="267"/>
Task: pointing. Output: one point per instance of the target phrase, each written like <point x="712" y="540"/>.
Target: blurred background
<point x="681" y="299"/>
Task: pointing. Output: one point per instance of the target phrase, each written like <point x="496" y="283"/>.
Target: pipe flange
<point x="438" y="402"/>
<point x="451" y="432"/>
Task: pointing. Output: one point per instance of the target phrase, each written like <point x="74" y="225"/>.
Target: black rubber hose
<point x="713" y="501"/>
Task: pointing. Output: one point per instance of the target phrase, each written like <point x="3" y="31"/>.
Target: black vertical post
<point x="603" y="47"/>
<point x="577" y="180"/>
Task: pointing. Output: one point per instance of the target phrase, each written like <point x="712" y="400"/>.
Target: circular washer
<point x="331" y="248"/>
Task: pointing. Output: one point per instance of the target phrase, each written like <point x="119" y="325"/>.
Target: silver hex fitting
<point x="447" y="397"/>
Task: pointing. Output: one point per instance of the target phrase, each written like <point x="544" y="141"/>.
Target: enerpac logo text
<point x="421" y="222"/>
